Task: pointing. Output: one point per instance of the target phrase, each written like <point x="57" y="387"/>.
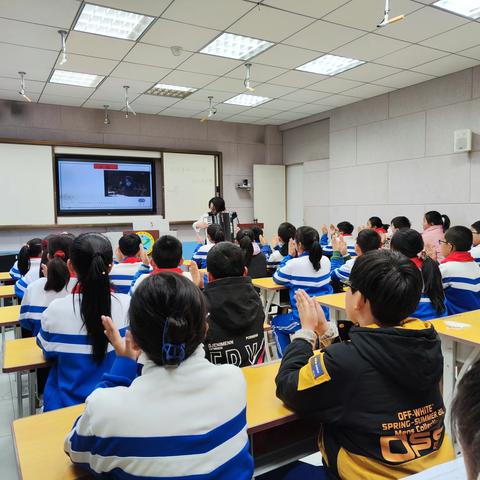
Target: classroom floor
<point x="8" y="412"/>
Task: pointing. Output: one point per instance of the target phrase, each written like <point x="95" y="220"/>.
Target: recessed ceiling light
<point x="76" y="78"/>
<point x="467" y="8"/>
<point x="112" y="22"/>
<point x="164" y="90"/>
<point x="247" y="100"/>
<point x="235" y="46"/>
<point x="330" y="65"/>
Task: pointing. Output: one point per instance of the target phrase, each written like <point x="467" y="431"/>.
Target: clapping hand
<point x="292" y="248"/>
<point x="311" y="313"/>
<point x="124" y="347"/>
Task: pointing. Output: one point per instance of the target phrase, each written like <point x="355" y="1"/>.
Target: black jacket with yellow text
<point x="378" y="399"/>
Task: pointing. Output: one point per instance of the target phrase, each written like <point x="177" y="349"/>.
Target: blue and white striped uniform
<point x="265" y="249"/>
<point x="275" y="259"/>
<point x="122" y="275"/>
<point x="426" y="310"/>
<point x="461" y="282"/>
<point x="200" y="255"/>
<point x="474" y="252"/>
<point x="14" y="272"/>
<point x="342" y="273"/>
<point x="64" y="340"/>
<point x="349" y="240"/>
<point x="32" y="275"/>
<point x="183" y="423"/>
<point x="36" y="300"/>
<point x="145" y="271"/>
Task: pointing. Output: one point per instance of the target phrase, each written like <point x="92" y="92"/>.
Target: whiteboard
<point x="26" y="185"/>
<point x="189" y="183"/>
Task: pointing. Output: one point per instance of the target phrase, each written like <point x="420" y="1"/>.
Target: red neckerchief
<point x="458" y="257"/>
<point x="160" y="270"/>
<point x="131" y="260"/>
<point x="380" y="230"/>
<point x="346" y="235"/>
<point x="417" y="261"/>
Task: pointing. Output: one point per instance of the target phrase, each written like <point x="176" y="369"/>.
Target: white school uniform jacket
<point x="64" y="340"/>
<point x="14" y="273"/>
<point x="32" y="275"/>
<point x="474" y="252"/>
<point x="144" y="271"/>
<point x="461" y="282"/>
<point x="37" y="299"/>
<point x="350" y="241"/>
<point x="183" y="423"/>
<point x="123" y="273"/>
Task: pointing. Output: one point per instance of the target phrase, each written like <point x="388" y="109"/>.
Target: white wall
<point x="393" y="155"/>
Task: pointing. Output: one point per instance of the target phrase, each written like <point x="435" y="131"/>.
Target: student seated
<point x="28" y="265"/>
<point x="255" y="260"/>
<point x="345" y="231"/>
<point x="375" y="223"/>
<point x="466" y="419"/>
<point x="184" y="417"/>
<point x="460" y="272"/>
<point x="377" y="395"/>
<point x="128" y="257"/>
<point x="285" y="232"/>
<point x="432" y="303"/>
<point x="261" y="242"/>
<point x="341" y="262"/>
<point x="434" y="227"/>
<point x="398" y="223"/>
<point x="235" y="323"/>
<point x="475" y="251"/>
<point x="215" y="234"/>
<point x="166" y="257"/>
<point x="304" y="267"/>
<point x="71" y="334"/>
<point x="58" y="283"/>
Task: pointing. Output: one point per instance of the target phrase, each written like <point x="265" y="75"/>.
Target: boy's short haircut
<point x="167" y="252"/>
<point x="460" y="237"/>
<point x="391" y="283"/>
<point x="476" y="226"/>
<point x="257" y="231"/>
<point x="225" y="259"/>
<point x="368" y="240"/>
<point x="401" y="222"/>
<point x="345" y="227"/>
<point x="129" y="244"/>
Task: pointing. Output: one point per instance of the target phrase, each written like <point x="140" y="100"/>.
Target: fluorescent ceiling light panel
<point x="235" y="46"/>
<point x="247" y="100"/>
<point x="164" y="90"/>
<point x="467" y="8"/>
<point x="75" y="78"/>
<point x="111" y="22"/>
<point x="330" y="65"/>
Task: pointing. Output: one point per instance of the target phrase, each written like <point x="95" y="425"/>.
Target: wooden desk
<point x="454" y="340"/>
<point x="187" y="263"/>
<point x="5" y="277"/>
<point x="9" y="316"/>
<point x="335" y="302"/>
<point x="7" y="291"/>
<point x="39" y="439"/>
<point x="268" y="290"/>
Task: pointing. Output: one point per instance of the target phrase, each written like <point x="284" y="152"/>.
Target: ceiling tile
<point x="28" y="34"/>
<point x="261" y="111"/>
<point x="282" y="105"/>
<point x="55" y="89"/>
<point x="305" y="96"/>
<point x="369" y="47"/>
<point x="112" y="88"/>
<point x="224" y="108"/>
<point x="410" y="57"/>
<point x="366" y="14"/>
<point x="286" y="56"/>
<point x="446" y="65"/>
<point x="296" y="78"/>
<point x="460" y="38"/>
<point x="35" y="62"/>
<point x="226" y="84"/>
<point x="242" y="118"/>
<point x="338" y="100"/>
<point x="146" y="7"/>
<point x="404" y="79"/>
<point x="31" y="86"/>
<point x="272" y="91"/>
<point x="218" y="14"/>
<point x="334" y="85"/>
<point x="288" y="116"/>
<point x="312" y="8"/>
<point x="154" y="55"/>
<point x="61" y="100"/>
<point x="471" y="52"/>
<point x="323" y="36"/>
<point x="368" y="90"/>
<point x="14" y="95"/>
<point x="101" y="46"/>
<point x="209" y="64"/>
<point x="422" y="24"/>
<point x="218" y="96"/>
<point x="312" y="109"/>
<point x="148" y="108"/>
<point x="46" y="12"/>
<point x="368" y="72"/>
<point x="269" y="24"/>
<point x="154" y="101"/>
<point x="135" y="71"/>
<point x="84" y="64"/>
<point x="94" y="103"/>
<point x="259" y="73"/>
<point x="188" y="79"/>
<point x="270" y="121"/>
<point x="219" y="116"/>
<point x="180" y="112"/>
<point x="167" y="33"/>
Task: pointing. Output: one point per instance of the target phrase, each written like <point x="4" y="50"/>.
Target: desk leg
<point x="449" y="355"/>
<point x="334" y="315"/>
<point x="18" y="376"/>
<point x="31" y="391"/>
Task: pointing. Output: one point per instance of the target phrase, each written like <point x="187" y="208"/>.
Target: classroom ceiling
<point x="429" y="43"/>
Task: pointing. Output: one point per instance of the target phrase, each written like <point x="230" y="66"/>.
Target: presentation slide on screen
<point x="100" y="185"/>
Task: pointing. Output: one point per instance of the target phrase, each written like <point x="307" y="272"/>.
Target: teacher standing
<point x="215" y="205"/>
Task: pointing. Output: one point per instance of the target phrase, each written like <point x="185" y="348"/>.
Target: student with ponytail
<point x="215" y="234"/>
<point x="184" y="417"/>
<point x="28" y="265"/>
<point x="375" y="223"/>
<point x="304" y="267"/>
<point x="57" y="283"/>
<point x="71" y="334"/>
<point x="255" y="260"/>
<point x="434" y="227"/>
<point x="432" y="302"/>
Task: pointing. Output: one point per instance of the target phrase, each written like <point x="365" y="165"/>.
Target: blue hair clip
<point x="172" y="352"/>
